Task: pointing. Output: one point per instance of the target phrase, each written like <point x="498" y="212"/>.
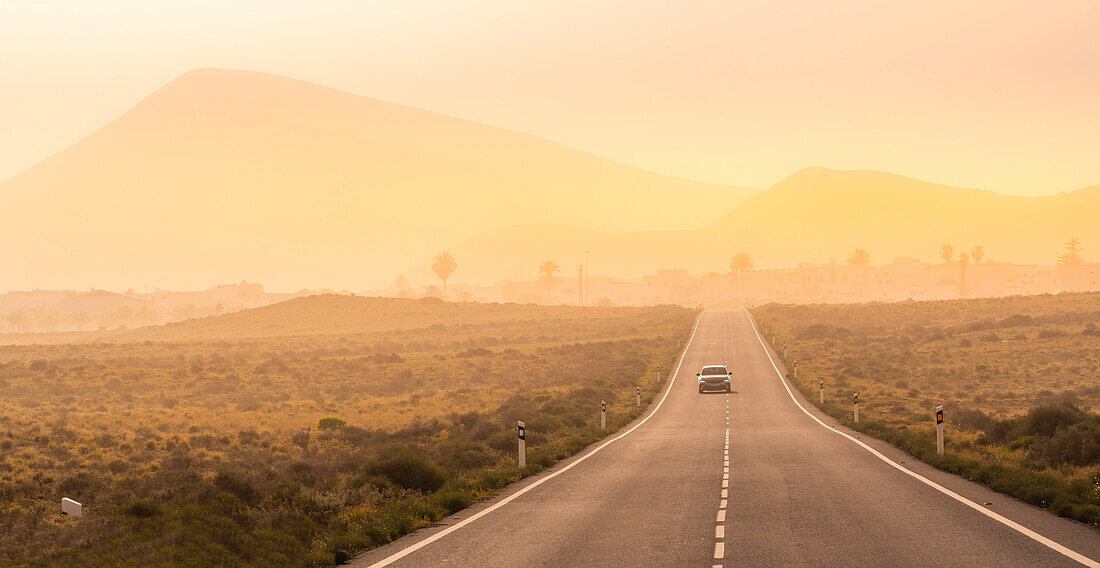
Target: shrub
<point x="972" y="418"/>
<point x="1078" y="444"/>
<point x="410" y="470"/>
<point x="141" y="508"/>
<point x="331" y="423"/>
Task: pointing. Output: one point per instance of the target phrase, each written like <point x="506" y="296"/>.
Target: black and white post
<point x="658" y="373"/>
<point x="522" y="445"/>
<point x="638" y="395"/>
<point x="603" y="415"/>
<point x="939" y="430"/>
<point x="796" y="370"/>
<point x="821" y="391"/>
<point x="855" y="406"/>
<point x="784" y="351"/>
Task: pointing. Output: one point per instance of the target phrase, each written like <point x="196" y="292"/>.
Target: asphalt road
<point x="794" y="492"/>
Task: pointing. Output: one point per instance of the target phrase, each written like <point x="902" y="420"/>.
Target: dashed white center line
<point x="725" y="493"/>
<point x="719" y="550"/>
<point x="722" y="504"/>
<point x="720" y="531"/>
<point x="721" y="515"/>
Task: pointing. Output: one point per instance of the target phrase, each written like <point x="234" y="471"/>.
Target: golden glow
<point x="224" y="175"/>
<point x="982" y="93"/>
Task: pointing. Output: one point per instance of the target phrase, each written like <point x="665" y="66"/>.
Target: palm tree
<point x="946" y="252"/>
<point x="18" y="320"/>
<point x="741" y="263"/>
<point x="81" y="319"/>
<point x="1073" y="252"/>
<point x="859" y="257"/>
<point x="546" y="275"/>
<point x="977" y="253"/>
<point x="444" y="266"/>
<point x="48" y="322"/>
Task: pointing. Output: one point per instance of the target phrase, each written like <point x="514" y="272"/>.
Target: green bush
<point x="141" y="508"/>
<point x="331" y="423"/>
<point x="410" y="470"/>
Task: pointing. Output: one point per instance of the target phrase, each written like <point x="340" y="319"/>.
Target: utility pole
<point x="580" y="284"/>
<point x="587" y="279"/>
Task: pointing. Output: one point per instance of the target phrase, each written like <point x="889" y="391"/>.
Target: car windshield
<point x="714" y="370"/>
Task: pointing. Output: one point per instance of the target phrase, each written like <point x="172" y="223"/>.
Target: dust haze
<point x="302" y="302"/>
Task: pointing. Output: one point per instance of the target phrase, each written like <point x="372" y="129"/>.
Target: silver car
<point x="714" y="377"/>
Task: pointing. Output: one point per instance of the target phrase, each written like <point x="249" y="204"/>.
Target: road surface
<point x="788" y="491"/>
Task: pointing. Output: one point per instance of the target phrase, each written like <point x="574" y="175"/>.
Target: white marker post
<point x="821" y="390"/>
<point x="784" y="350"/>
<point x="638" y="394"/>
<point x="939" y="430"/>
<point x="522" y="445"/>
<point x="70" y="507"/>
<point x="796" y="370"/>
<point x="658" y="373"/>
<point x="603" y="415"/>
<point x="855" y="406"/>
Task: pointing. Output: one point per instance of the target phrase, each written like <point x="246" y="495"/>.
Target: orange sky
<point x="993" y="94"/>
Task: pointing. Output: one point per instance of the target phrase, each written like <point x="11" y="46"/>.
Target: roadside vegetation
<point x="1019" y="379"/>
<point x="220" y="443"/>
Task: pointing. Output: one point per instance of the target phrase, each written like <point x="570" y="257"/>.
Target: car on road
<point x="714" y="377"/>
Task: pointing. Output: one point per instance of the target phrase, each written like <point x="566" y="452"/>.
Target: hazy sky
<point x="998" y="94"/>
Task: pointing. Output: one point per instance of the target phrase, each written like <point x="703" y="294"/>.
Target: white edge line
<point x="421" y="544"/>
<point x="1065" y="551"/>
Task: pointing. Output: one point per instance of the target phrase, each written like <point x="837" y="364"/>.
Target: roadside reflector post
<point x="784" y="350"/>
<point x="939" y="430"/>
<point x="658" y="373"/>
<point x="855" y="406"/>
<point x="821" y="390"/>
<point x="638" y="394"/>
<point x="70" y="507"/>
<point x="603" y="415"/>
<point x="796" y="369"/>
<point x="522" y="445"/>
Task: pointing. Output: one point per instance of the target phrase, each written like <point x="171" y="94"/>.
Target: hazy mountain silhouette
<point x="814" y="215"/>
<point x="222" y="175"/>
<point x="337" y="314"/>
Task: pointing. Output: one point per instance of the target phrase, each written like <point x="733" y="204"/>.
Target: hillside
<point x="813" y="216"/>
<point x="222" y="175"/>
<point x="345" y="315"/>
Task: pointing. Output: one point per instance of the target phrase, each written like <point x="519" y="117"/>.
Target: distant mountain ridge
<point x="815" y="215"/>
<point x="222" y="175"/>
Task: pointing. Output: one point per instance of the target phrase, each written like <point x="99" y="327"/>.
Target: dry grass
<point x="209" y="451"/>
<point x="1007" y="365"/>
